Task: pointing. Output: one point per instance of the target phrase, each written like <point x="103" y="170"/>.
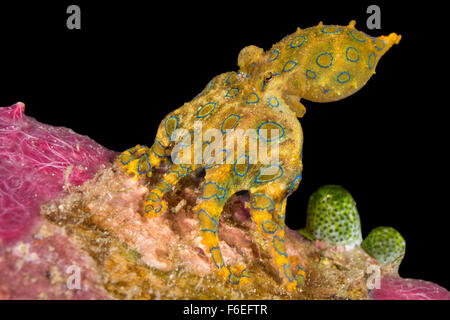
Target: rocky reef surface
<point x="71" y="228"/>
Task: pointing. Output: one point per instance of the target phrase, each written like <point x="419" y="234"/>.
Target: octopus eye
<point x="268" y="76"/>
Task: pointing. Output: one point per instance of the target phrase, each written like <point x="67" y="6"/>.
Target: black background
<point x="130" y="64"/>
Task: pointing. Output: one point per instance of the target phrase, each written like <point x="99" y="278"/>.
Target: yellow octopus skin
<point x="322" y="64"/>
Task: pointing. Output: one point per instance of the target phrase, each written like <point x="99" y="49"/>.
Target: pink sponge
<point x="36" y="161"/>
<point x="396" y="288"/>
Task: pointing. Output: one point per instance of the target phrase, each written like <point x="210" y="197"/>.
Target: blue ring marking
<point x="289" y="69"/>
<point x="132" y="152"/>
<point x="269" y="222"/>
<point x="279" y="137"/>
<point x="283" y="202"/>
<point x="210" y="165"/>
<point x="323" y="66"/>
<point x="178" y="171"/>
<point x="271" y="204"/>
<point x="166" y="184"/>
<point x="157" y="197"/>
<point x="300" y="267"/>
<point x="214" y="195"/>
<point x="282" y="218"/>
<point x="236" y="163"/>
<point x="252" y="94"/>
<point x="310" y="74"/>
<point x="271" y="58"/>
<point x="341" y="74"/>
<point x="262" y="170"/>
<point x="212" y="256"/>
<point x="251" y="71"/>
<point x="200" y="222"/>
<point x="159" y="155"/>
<point x="279" y="252"/>
<point x="378" y="48"/>
<point x="200" y="110"/>
<point x="352" y="34"/>
<point x="229" y="279"/>
<point x="147" y="209"/>
<point x="235" y="123"/>
<point x="337" y="31"/>
<point x="371" y="65"/>
<point x="228" y="78"/>
<point x="165" y="126"/>
<point x="272" y="104"/>
<point x="293" y="183"/>
<point x="140" y="162"/>
<point x="285" y="273"/>
<point x="325" y="91"/>
<point x="245" y="275"/>
<point x="299" y="283"/>
<point x="126" y="162"/>
<point x="231" y="96"/>
<point x="346" y="54"/>
<point x="299" y="44"/>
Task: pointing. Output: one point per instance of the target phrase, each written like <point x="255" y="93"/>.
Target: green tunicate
<point x="385" y="244"/>
<point x="332" y="216"/>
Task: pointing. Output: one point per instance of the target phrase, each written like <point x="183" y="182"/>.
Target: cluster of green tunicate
<point x="332" y="217"/>
<point x="385" y="244"/>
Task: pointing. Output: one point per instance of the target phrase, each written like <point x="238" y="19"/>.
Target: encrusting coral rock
<point x="44" y="266"/>
<point x="168" y="254"/>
